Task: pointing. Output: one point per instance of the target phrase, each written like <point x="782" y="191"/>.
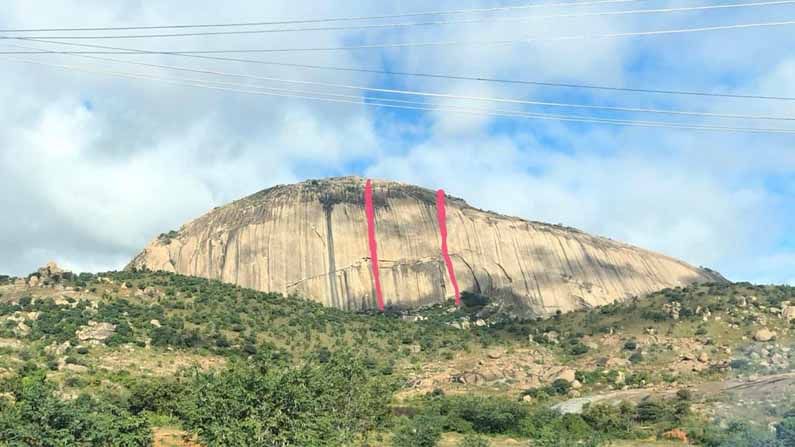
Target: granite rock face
<point x="310" y="239"/>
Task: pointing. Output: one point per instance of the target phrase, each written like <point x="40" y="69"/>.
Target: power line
<point x="427" y="23"/>
<point x="442" y="43"/>
<point x="328" y="19"/>
<point x="450" y="96"/>
<point x="486" y="112"/>
<point x="414" y="74"/>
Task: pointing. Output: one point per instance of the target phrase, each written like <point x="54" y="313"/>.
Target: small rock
<point x="576" y="384"/>
<point x="155" y="323"/>
<point x="703" y="357"/>
<point x="494" y="354"/>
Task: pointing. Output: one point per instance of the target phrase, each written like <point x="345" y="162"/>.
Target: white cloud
<point x="88" y="185"/>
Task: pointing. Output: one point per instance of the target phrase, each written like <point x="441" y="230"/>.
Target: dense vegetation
<point x="298" y="374"/>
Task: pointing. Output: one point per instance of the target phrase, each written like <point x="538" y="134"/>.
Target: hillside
<point x="310" y="239"/>
<point x="217" y="362"/>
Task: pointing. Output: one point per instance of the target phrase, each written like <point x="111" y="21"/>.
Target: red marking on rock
<point x="441" y="214"/>
<point x="370" y="213"/>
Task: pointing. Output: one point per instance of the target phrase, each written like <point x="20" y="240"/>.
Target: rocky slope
<point x="310" y="239"/>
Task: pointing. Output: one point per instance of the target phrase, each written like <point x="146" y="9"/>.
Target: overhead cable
<point x="415" y="74"/>
<point x="450" y="96"/>
<point x="427" y="23"/>
<point x="486" y="112"/>
<point x="327" y="19"/>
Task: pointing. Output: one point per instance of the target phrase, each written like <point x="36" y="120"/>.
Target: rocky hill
<point x="310" y="239"/>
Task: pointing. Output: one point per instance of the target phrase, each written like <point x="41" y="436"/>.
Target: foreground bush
<point x="320" y="404"/>
<point x="37" y="417"/>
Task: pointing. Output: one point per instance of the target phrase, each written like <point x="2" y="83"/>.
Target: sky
<point x="93" y="166"/>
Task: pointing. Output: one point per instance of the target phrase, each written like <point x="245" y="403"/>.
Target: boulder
<point x="764" y="335"/>
<point x="788" y="313"/>
<point x="316" y="232"/>
<point x="567" y="374"/>
<point x="703" y="357"/>
<point x="95" y="333"/>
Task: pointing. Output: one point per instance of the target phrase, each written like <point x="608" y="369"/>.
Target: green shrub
<point x="39" y="418"/>
<point x="317" y="404"/>
<point x="421" y="431"/>
<point x="560" y="387"/>
<point x="785" y="432"/>
<point x="473" y="441"/>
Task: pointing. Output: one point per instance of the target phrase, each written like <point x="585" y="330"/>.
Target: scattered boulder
<point x="155" y="323"/>
<point x="703" y="357"/>
<point x="788" y="313"/>
<point x="95" y="333"/>
<point x="764" y="335"/>
<point x="58" y="349"/>
<point x="567" y="374"/>
<point x="552" y="337"/>
<point x="468" y="378"/>
<point x="49" y="275"/>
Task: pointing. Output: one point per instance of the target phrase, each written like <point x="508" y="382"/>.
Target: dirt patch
<point x="172" y="437"/>
<point x="150" y="362"/>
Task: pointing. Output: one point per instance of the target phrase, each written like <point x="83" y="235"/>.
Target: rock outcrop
<point x="310" y="239"/>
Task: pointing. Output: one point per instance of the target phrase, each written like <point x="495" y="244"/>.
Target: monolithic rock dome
<point x="310" y="239"/>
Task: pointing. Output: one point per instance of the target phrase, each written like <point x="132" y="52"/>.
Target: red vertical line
<point x="441" y="214"/>
<point x="370" y="213"/>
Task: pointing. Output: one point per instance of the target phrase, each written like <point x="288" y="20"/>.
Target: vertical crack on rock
<point x="328" y="207"/>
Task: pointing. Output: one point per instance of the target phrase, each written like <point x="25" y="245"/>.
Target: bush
<point x="473" y="441"/>
<point x="615" y="420"/>
<point x="39" y="418"/>
<point x="785" y="432"/>
<point x="578" y="348"/>
<point x="483" y="414"/>
<point x="561" y="386"/>
<point x="630" y="345"/>
<point x="421" y="431"/>
<point x="317" y="404"/>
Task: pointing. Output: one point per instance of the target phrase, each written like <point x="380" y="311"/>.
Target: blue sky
<point x="93" y="166"/>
